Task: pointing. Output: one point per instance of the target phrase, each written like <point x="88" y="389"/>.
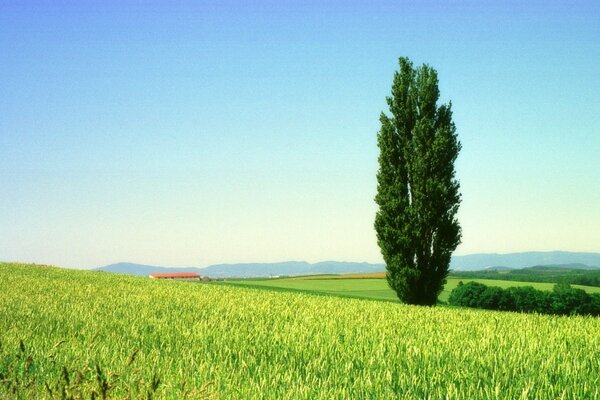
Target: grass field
<point x="83" y="334"/>
<point x="374" y="287"/>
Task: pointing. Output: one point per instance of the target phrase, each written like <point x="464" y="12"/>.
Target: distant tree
<point x="561" y="287"/>
<point x="417" y="192"/>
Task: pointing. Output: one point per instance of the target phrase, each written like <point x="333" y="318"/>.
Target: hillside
<point x="85" y="334"/>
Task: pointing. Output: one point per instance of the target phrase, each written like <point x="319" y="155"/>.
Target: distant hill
<point x="571" y="266"/>
<point x="473" y="262"/>
<point x="290" y="268"/>
<point x="498" y="269"/>
<point x="251" y="270"/>
<point x="144" y="270"/>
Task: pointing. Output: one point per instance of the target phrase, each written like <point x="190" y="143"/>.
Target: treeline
<point x="573" y="276"/>
<point x="563" y="300"/>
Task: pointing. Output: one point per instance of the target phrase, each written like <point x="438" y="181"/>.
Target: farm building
<point x="179" y="276"/>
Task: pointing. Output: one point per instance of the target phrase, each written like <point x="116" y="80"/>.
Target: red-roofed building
<point x="179" y="276"/>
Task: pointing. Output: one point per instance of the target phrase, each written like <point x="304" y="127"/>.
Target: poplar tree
<point x="417" y="191"/>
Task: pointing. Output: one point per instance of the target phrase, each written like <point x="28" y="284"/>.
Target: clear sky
<point x="193" y="133"/>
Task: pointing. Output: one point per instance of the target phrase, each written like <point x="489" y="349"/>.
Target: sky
<point x="194" y="133"/>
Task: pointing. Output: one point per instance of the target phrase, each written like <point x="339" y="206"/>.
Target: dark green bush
<point x="563" y="300"/>
<point x="468" y="295"/>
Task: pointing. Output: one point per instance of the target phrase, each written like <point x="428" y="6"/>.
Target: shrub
<point x="467" y="295"/>
<point x="491" y="297"/>
<point x="563" y="300"/>
<point x="569" y="301"/>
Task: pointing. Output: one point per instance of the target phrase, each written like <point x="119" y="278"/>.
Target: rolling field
<point x="372" y="287"/>
<point x="81" y="334"/>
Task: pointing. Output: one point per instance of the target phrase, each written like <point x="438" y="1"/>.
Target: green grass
<point x="83" y="334"/>
<point x="376" y="289"/>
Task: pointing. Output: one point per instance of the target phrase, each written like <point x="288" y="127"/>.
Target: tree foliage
<point x="417" y="193"/>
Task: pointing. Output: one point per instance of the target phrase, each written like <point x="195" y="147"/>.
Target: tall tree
<point x="417" y="192"/>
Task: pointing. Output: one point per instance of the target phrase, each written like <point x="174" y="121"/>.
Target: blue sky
<point x="193" y="133"/>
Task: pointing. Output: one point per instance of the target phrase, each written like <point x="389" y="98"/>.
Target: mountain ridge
<point x="469" y="262"/>
<point x="524" y="259"/>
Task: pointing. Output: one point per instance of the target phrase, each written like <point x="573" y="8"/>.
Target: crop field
<point x="373" y="288"/>
<point x="80" y="334"/>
